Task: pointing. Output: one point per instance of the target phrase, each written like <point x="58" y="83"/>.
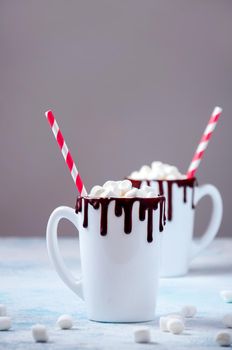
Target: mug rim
<point x="193" y="179"/>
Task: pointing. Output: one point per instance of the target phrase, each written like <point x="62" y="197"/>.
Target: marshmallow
<point x="188" y="311"/>
<point x="108" y="193"/>
<point x="226" y="295"/>
<point x="141" y="194"/>
<point x="2" y="310"/>
<point x="223" y="339"/>
<point x="175" y="325"/>
<point x="65" y="322"/>
<point x="124" y="186"/>
<point x="132" y="193"/>
<point x="39" y="333"/>
<point x="96" y="191"/>
<point x="142" y="335"/>
<point x="5" y="323"/>
<point x="163" y="323"/>
<point x="227" y="320"/>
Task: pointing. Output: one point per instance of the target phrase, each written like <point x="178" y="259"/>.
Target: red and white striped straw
<point x="204" y="142"/>
<point x="66" y="153"/>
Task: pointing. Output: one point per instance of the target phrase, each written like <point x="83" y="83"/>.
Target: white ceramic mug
<point x="178" y="245"/>
<point x="120" y="270"/>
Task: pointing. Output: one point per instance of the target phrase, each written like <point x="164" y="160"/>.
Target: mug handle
<point x="216" y="217"/>
<point x="54" y="250"/>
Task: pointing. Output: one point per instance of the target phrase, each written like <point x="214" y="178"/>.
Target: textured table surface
<point x="33" y="293"/>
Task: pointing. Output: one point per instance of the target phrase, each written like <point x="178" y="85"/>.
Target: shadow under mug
<point x="119" y="251"/>
<point x="178" y="245"/>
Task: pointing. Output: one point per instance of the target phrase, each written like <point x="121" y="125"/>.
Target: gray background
<point x="129" y="82"/>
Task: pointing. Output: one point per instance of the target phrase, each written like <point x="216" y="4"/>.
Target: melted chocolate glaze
<point x="180" y="183"/>
<point x="125" y="204"/>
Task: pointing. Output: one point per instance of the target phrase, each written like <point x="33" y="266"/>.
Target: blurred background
<point x="129" y="81"/>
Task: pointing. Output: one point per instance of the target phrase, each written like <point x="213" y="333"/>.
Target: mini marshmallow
<point x="141" y="194"/>
<point x="188" y="311"/>
<point x="145" y="170"/>
<point x="175" y="325"/>
<point x="108" y="193"/>
<point x="96" y="191"/>
<point x="163" y="323"/>
<point x="2" y="310"/>
<point x="65" y="322"/>
<point x="226" y="295"/>
<point x="5" y="323"/>
<point x="124" y="186"/>
<point x="39" y="333"/>
<point x="227" y="320"/>
<point x="223" y="338"/>
<point x="142" y="335"/>
<point x="131" y="194"/>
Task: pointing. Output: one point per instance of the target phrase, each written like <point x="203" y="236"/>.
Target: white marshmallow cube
<point x="5" y="323"/>
<point x="223" y="339"/>
<point x="96" y="191"/>
<point x="142" y="335"/>
<point x="227" y="320"/>
<point x="124" y="186"/>
<point x="226" y="295"/>
<point x="2" y="310"/>
<point x="108" y="193"/>
<point x="141" y="194"/>
<point x="131" y="194"/>
<point x="39" y="333"/>
<point x="189" y="311"/>
<point x="175" y="325"/>
<point x="65" y="322"/>
<point x="163" y="323"/>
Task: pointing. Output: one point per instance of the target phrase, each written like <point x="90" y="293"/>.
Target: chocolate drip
<point x="180" y="183"/>
<point x="125" y="204"/>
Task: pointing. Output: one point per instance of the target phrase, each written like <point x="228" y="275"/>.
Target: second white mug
<point x="178" y="245"/>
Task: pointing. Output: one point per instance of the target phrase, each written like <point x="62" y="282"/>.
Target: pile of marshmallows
<point x="157" y="171"/>
<point x="121" y="189"/>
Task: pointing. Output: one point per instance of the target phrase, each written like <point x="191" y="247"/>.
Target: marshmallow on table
<point x="2" y="310"/>
<point x="163" y="323"/>
<point x="226" y="295"/>
<point x="39" y="333"/>
<point x="175" y="325"/>
<point x="223" y="338"/>
<point x="65" y="322"/>
<point x="142" y="335"/>
<point x="5" y="323"/>
<point x="188" y="311"/>
<point x="227" y="320"/>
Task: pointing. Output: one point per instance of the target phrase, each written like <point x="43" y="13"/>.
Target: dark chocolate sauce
<point x="125" y="205"/>
<point x="180" y="183"/>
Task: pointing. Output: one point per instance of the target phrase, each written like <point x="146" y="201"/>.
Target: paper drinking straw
<point x="204" y="142"/>
<point x="66" y="153"/>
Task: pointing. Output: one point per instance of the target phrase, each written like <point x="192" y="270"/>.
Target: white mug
<point x="178" y="245"/>
<point x="120" y="270"/>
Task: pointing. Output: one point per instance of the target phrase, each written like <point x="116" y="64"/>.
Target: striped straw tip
<point x="217" y="110"/>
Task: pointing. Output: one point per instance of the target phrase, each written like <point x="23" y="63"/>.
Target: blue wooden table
<point x="33" y="293"/>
